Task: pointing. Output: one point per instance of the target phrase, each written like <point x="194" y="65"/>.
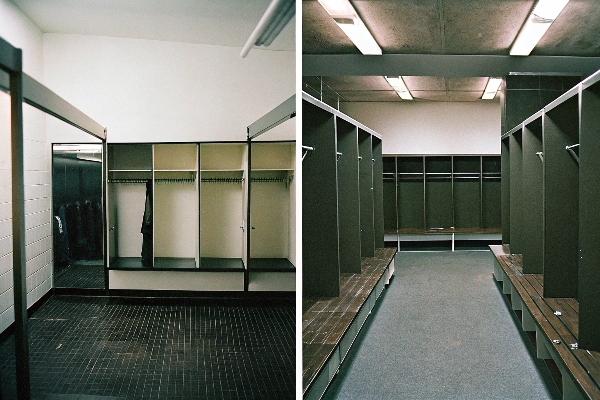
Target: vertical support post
<point x="105" y="232"/>
<point x="248" y="222"/>
<point x="199" y="191"/>
<point x="18" y="231"/>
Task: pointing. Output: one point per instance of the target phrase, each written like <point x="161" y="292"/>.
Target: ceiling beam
<point x="444" y="65"/>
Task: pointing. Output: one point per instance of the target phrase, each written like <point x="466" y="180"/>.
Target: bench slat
<point x="554" y="329"/>
<point x="583" y="366"/>
<point x="570" y="322"/>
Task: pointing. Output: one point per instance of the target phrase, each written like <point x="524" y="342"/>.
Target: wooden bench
<point x="331" y="324"/>
<point x="555" y="322"/>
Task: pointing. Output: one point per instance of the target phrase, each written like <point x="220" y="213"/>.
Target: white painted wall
<point x="154" y="91"/>
<point x="432" y="128"/>
<point x="19" y="31"/>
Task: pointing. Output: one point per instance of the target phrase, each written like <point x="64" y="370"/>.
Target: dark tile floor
<point x="156" y="349"/>
<point x="83" y="274"/>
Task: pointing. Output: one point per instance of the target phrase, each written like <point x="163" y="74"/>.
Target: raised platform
<point x="178" y="264"/>
<point x="443" y="239"/>
<point x="271" y="274"/>
<point x="555" y="322"/>
<point x="331" y="324"/>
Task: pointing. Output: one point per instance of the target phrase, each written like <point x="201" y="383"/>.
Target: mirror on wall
<point x="77" y="216"/>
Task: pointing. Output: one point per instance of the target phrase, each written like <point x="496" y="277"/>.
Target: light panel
<point x="491" y="89"/>
<point x="538" y="22"/>
<point x="399" y="86"/>
<point x="350" y="23"/>
<point x="338" y="8"/>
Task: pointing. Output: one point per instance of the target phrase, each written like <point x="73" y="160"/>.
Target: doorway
<point x="78" y="216"/>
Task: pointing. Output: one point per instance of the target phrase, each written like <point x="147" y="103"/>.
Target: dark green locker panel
<point x="438" y="192"/>
<point x="505" y="184"/>
<point x="467" y="191"/>
<point x="367" y="233"/>
<point x="411" y="192"/>
<point x="589" y="221"/>
<point x="320" y="255"/>
<point x="348" y="197"/>
<point x="390" y="216"/>
<point x="378" y="229"/>
<point x="561" y="200"/>
<point x="533" y="198"/>
<point x="491" y="192"/>
<point x="516" y="193"/>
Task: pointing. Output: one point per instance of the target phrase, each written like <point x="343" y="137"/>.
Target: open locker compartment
<point x="175" y="205"/>
<point x="129" y="169"/>
<point x="272" y="201"/>
<point x="223" y="206"/>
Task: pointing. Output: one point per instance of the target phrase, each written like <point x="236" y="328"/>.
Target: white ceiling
<point x="214" y="22"/>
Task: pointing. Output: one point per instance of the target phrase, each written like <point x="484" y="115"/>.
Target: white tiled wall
<point x="6" y="278"/>
<point x="38" y="203"/>
<point x="21" y="32"/>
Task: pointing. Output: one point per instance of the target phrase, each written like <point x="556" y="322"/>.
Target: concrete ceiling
<point x="415" y="33"/>
<point x="223" y="22"/>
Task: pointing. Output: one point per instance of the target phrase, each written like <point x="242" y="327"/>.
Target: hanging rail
<point x="306" y="150"/>
<point x="222" y="180"/>
<point x="540" y="154"/>
<point x="134" y="181"/>
<point x="267" y="180"/>
<point x="571" y="150"/>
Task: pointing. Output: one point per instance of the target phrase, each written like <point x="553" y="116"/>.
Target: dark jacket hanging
<point x="61" y="238"/>
<point x="77" y="242"/>
<point x="147" y="251"/>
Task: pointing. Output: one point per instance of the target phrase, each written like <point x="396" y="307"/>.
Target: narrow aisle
<point x="442" y="331"/>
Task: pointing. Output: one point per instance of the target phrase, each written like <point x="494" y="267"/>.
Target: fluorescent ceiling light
<point x="337" y="8"/>
<point x="348" y="20"/>
<point x="399" y="86"/>
<point x="491" y="88"/>
<point x="538" y="22"/>
<point x="275" y="18"/>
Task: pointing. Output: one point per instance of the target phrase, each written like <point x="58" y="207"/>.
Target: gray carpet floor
<point x="442" y="330"/>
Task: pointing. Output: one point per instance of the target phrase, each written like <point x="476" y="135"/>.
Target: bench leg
<point x="497" y="271"/>
<point x="515" y="299"/>
<point x="528" y="322"/>
<point x="540" y="344"/>
<point x="506" y="285"/>
<point x="570" y="389"/>
<point x="390" y="270"/>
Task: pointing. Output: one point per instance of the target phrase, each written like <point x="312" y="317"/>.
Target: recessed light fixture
<point x="538" y="22"/>
<point x="348" y="20"/>
<point x="399" y="86"/>
<point x="491" y="88"/>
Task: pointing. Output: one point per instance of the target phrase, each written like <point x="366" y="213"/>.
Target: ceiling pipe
<point x="275" y="18"/>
